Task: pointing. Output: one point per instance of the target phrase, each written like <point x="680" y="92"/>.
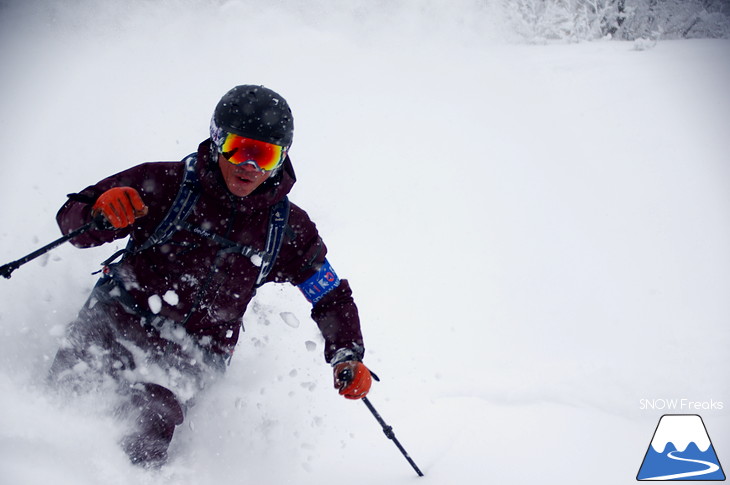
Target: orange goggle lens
<point x="238" y="149"/>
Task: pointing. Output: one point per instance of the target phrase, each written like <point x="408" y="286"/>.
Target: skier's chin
<point x="243" y="185"/>
<point x="241" y="188"/>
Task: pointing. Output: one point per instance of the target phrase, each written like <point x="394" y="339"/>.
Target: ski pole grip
<point x="345" y="375"/>
<point x="102" y="223"/>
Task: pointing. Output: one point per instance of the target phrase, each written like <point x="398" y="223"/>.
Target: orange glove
<point x="353" y="379"/>
<point x="120" y="205"/>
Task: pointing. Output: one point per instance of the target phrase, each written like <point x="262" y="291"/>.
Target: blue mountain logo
<point x="681" y="450"/>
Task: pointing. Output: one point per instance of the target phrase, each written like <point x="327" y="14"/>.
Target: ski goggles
<point x="239" y="150"/>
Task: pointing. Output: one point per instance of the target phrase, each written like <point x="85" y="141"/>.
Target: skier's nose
<point x="249" y="167"/>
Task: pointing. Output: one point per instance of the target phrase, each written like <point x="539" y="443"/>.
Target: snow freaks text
<point x="680" y="404"/>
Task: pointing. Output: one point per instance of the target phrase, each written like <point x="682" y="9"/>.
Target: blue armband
<point x="320" y="283"/>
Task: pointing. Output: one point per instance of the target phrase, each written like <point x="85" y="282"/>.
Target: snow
<point x="536" y="235"/>
<point x="171" y="298"/>
<point x="256" y="260"/>
<point x="155" y="303"/>
<point x="290" y="319"/>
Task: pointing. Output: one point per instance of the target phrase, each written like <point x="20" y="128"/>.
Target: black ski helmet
<point x="255" y="112"/>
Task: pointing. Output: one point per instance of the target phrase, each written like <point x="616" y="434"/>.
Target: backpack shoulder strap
<point x="181" y="207"/>
<point x="187" y="196"/>
<point x="278" y="219"/>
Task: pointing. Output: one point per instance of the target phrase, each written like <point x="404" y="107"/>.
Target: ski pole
<point x="388" y="430"/>
<point x="7" y="269"/>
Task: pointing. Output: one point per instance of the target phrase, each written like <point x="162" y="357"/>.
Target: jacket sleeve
<point x="301" y="261"/>
<point x="145" y="178"/>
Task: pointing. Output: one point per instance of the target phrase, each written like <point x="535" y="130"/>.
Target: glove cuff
<point x="345" y="354"/>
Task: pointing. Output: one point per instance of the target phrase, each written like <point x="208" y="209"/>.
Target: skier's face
<point x="243" y="179"/>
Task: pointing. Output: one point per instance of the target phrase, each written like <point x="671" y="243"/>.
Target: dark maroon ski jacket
<point x="206" y="288"/>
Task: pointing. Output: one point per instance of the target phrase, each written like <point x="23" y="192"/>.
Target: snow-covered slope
<point x="537" y="238"/>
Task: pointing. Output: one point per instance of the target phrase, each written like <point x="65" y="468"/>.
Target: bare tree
<point x="542" y="20"/>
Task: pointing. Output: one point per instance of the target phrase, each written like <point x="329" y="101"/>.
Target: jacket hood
<point x="274" y="189"/>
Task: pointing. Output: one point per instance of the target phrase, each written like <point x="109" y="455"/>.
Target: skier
<point x="163" y="321"/>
